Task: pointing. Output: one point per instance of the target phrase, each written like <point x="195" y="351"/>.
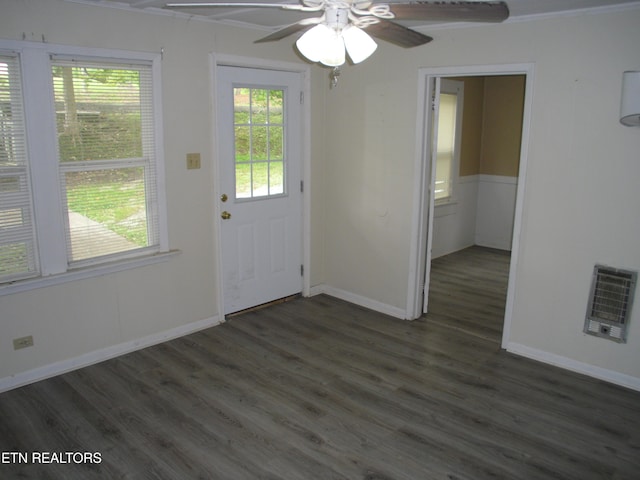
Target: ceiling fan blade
<point x="397" y="34"/>
<point x="451" y="11"/>
<point x="286" y="6"/>
<point x="300" y="26"/>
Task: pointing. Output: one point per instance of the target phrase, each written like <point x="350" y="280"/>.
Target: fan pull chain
<point x="333" y="76"/>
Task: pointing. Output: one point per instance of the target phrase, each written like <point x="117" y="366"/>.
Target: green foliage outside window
<point x="259" y="141"/>
<point x="98" y="117"/>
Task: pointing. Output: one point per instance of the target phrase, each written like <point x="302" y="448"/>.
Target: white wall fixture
<point x="630" y="99"/>
<point x="610" y="301"/>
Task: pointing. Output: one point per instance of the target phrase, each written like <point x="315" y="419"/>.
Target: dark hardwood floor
<point x="318" y="388"/>
<point x="468" y="291"/>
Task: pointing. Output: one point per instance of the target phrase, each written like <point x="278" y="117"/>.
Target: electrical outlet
<point x="193" y="161"/>
<point x="23" y="342"/>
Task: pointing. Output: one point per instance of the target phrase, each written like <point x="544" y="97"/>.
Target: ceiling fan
<point x="341" y="26"/>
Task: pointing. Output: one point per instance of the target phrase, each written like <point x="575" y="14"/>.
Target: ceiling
<point x="274" y="18"/>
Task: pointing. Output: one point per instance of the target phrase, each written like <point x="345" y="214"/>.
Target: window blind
<point x="446" y="145"/>
<point x="106" y="156"/>
<point x="18" y="256"/>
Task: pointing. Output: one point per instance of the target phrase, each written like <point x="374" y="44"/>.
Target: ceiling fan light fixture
<point x="312" y="43"/>
<point x="322" y="44"/>
<point x="358" y="43"/>
<point x="334" y="52"/>
<point x="337" y="31"/>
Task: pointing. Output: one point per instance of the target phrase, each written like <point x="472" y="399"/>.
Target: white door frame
<point x="422" y="219"/>
<point x="304" y="70"/>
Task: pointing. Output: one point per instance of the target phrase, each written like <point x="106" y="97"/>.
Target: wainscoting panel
<point x="454" y="224"/>
<point x="495" y="211"/>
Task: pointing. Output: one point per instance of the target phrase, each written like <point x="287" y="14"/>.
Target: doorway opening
<point x="481" y="217"/>
<point x="473" y="225"/>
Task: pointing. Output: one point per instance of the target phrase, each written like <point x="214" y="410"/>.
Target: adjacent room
<point x="226" y="253"/>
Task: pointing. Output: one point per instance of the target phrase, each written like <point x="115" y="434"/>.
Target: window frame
<point x="20" y="171"/>
<point x="146" y="160"/>
<point x="48" y="200"/>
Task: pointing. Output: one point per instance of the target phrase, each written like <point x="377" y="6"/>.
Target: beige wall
<point x="502" y="125"/>
<point x="472" y="119"/>
<point x="492" y="125"/>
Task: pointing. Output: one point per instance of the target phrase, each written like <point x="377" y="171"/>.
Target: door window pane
<point x="276" y="178"/>
<point x="259" y="142"/>
<point x="276" y="104"/>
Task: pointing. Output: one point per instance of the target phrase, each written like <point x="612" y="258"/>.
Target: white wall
<point x="496" y="209"/>
<point x="579" y="200"/>
<point x="454" y="224"/>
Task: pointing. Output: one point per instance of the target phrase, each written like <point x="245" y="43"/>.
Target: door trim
<point x="216" y="60"/>
<point x="422" y="222"/>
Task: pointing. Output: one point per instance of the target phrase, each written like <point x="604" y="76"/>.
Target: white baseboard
<point x="579" y="367"/>
<point x="358" y="300"/>
<point x="64" y="366"/>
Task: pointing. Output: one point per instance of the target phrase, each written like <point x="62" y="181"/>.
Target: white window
<point x="18" y="256"/>
<point x="94" y="160"/>
<point x="448" y="143"/>
<point x="104" y="124"/>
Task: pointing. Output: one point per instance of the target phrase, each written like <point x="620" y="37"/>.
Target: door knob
<point x="223" y="197"/>
<point x="225" y="215"/>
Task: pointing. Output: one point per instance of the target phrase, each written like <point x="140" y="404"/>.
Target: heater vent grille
<point x="610" y="302"/>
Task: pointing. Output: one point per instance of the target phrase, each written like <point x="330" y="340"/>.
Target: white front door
<point x="259" y="146"/>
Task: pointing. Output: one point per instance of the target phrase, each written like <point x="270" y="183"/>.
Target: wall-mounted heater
<point x="610" y="302"/>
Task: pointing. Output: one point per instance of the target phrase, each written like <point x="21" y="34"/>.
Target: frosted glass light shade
<point x="630" y="99"/>
<point x="358" y="43"/>
<point x="322" y="44"/>
<point x="334" y="54"/>
<point x="312" y="43"/>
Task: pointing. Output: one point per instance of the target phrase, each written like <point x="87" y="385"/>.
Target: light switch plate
<point x="193" y="161"/>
